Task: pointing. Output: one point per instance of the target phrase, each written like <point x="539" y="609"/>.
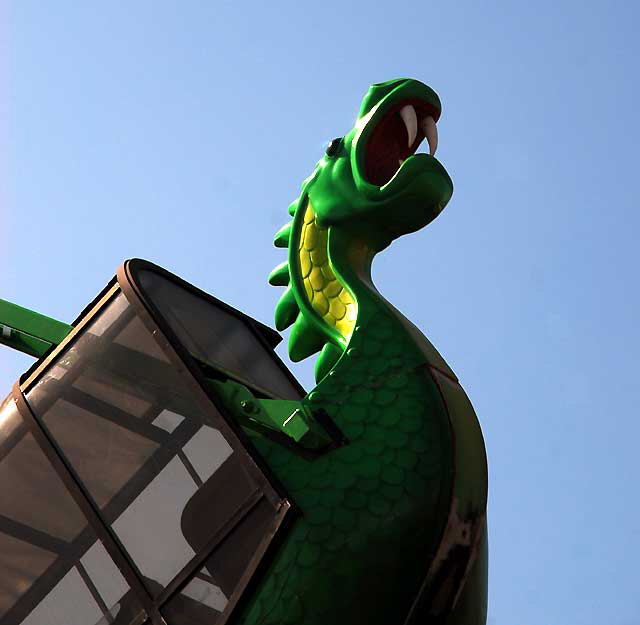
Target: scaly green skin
<point x="398" y="513"/>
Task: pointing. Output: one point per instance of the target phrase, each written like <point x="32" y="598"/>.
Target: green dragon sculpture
<point x="393" y="523"/>
<point x="392" y="489"/>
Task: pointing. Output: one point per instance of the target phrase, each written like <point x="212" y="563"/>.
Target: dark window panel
<point x="217" y="336"/>
<point x="135" y="336"/>
<point x="229" y="561"/>
<point x="110" y="393"/>
<point x="204" y="599"/>
<point x="105" y="455"/>
<point x="22" y="565"/>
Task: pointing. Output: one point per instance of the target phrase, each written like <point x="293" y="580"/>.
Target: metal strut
<point x="28" y="331"/>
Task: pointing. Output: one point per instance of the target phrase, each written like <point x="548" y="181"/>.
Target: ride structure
<point x="367" y="496"/>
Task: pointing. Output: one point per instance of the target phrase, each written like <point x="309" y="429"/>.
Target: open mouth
<point x="397" y="136"/>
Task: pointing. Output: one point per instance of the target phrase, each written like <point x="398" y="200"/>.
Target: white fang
<point x="410" y="119"/>
<point x="430" y="130"/>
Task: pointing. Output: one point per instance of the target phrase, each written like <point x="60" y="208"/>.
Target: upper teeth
<point x="430" y="130"/>
<point x="408" y="114"/>
<point x="428" y="126"/>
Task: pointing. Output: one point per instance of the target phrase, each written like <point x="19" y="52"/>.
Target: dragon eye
<point x="334" y="146"/>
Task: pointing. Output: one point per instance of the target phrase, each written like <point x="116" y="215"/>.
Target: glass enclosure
<point x="170" y="488"/>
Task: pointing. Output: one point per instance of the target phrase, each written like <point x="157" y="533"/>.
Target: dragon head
<point x="372" y="176"/>
<point x="367" y="190"/>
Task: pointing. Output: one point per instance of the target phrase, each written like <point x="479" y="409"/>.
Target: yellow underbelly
<point x="328" y="297"/>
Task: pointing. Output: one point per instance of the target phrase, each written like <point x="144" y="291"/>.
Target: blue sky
<point x="180" y="131"/>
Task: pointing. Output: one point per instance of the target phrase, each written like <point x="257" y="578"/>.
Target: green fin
<point x="286" y="310"/>
<point x="304" y="340"/>
<point x="282" y="236"/>
<point x="280" y="275"/>
<point x="293" y="206"/>
<point x="328" y="357"/>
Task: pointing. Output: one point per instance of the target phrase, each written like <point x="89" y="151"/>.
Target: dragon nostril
<point x="334" y="146"/>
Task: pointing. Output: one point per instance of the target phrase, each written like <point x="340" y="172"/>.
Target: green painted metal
<point x="267" y="416"/>
<point x="393" y="524"/>
<point x="29" y="331"/>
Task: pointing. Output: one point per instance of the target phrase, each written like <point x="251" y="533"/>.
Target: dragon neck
<point x="331" y="302"/>
<point x="329" y="288"/>
<point x="335" y="289"/>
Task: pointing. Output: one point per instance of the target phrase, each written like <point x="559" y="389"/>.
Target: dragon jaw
<point x="374" y="176"/>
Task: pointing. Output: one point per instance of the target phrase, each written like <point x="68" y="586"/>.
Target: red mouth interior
<point x="387" y="144"/>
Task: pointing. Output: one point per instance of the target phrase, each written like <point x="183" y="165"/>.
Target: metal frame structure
<point x="182" y="362"/>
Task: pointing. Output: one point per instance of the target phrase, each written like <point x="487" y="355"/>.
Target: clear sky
<point x="180" y="131"/>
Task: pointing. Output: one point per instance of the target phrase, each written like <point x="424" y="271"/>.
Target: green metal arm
<point x="28" y="331"/>
<point x="288" y="417"/>
<point x="284" y="416"/>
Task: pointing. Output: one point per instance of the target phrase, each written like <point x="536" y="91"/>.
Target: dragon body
<point x="392" y="527"/>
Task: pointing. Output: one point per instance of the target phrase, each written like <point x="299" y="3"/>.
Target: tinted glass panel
<point x="216" y="336"/>
<point x="53" y="570"/>
<point x="205" y="598"/>
<point x="167" y="474"/>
